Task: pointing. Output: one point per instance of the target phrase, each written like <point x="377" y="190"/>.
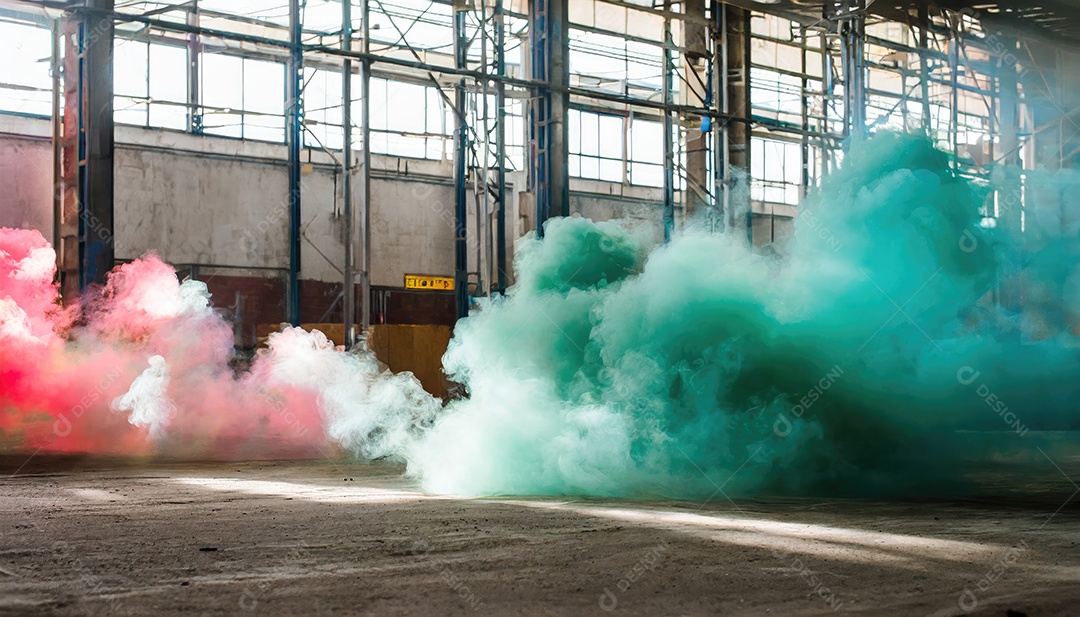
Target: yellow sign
<point x="428" y="283"/>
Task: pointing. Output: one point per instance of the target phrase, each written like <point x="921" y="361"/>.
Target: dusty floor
<point x="104" y="538"/>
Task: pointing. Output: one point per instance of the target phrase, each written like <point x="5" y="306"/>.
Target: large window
<point x="615" y="63"/>
<point x="243" y="97"/>
<point x="409" y="120"/>
<point x="616" y="149"/>
<point x="150" y="84"/>
<point x="775" y="171"/>
<point x="647" y="152"/>
<point x="779" y="95"/>
<point x="596" y="146"/>
<point x="322" y="108"/>
<point x="25" y="55"/>
<point x="515" y="129"/>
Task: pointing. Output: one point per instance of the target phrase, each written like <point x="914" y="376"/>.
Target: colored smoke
<point x="875" y="357"/>
<point x="142" y="367"/>
<point x="898" y="345"/>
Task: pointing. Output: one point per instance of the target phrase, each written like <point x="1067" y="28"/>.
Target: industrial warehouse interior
<point x="539" y="307"/>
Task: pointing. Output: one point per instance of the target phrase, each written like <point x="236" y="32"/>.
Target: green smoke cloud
<point x="875" y="357"/>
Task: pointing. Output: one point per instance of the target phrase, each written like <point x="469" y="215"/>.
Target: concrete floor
<point x="320" y="538"/>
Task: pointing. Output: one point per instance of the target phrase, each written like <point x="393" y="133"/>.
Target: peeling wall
<point x="26" y="180"/>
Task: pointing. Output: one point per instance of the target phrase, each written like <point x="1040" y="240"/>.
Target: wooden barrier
<point x="418" y="349"/>
<point x="415" y="348"/>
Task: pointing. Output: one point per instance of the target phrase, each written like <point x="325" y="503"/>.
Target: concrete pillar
<point x="695" y="81"/>
<point x="736" y="40"/>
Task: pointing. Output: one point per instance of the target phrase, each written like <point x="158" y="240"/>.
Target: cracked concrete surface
<point x="327" y="538"/>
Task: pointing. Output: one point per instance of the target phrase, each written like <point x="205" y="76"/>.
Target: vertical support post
<point x="827" y="153"/>
<point x="804" y="112"/>
<point x="721" y="195"/>
<point x="1008" y="176"/>
<point x="851" y="20"/>
<point x="294" y="119"/>
<point x="540" y="113"/>
<point x="348" y="285"/>
<point x="500" y="147"/>
<point x="57" y="133"/>
<point x="924" y="65"/>
<point x="365" y="167"/>
<point x="700" y="93"/>
<point x="461" y="136"/>
<point x="485" y="266"/>
<point x="69" y="158"/>
<point x="1009" y="127"/>
<point x="194" y="47"/>
<point x="559" y="66"/>
<point x="736" y="69"/>
<point x="669" y="128"/>
<point x="954" y="101"/>
<point x="96" y="231"/>
<point x="548" y="25"/>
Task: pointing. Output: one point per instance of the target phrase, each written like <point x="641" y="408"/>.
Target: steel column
<point x="548" y="26"/>
<point x="96" y="247"/>
<point x="294" y="126"/>
<point x="348" y="285"/>
<point x="735" y="25"/>
<point x="461" y="148"/>
<point x="669" y="129"/>
<point x="500" y="146"/>
<point x="365" y="167"/>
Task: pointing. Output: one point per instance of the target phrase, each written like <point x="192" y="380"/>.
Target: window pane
<point x="129" y="68"/>
<point x="221" y="123"/>
<point x="377" y="107"/>
<point x="436" y="116"/>
<point x="168" y="73"/>
<point x="168" y="116"/>
<point x="646" y="175"/>
<point x="647" y="141"/>
<point x="264" y="86"/>
<point x="611" y="137"/>
<point x="127" y="111"/>
<point x="264" y="128"/>
<point x="611" y="170"/>
<point x="25" y="54"/>
<point x="590" y="167"/>
<point x="574" y="130"/>
<point x="590" y="133"/>
<point x="405" y="107"/>
<point x="223" y="81"/>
